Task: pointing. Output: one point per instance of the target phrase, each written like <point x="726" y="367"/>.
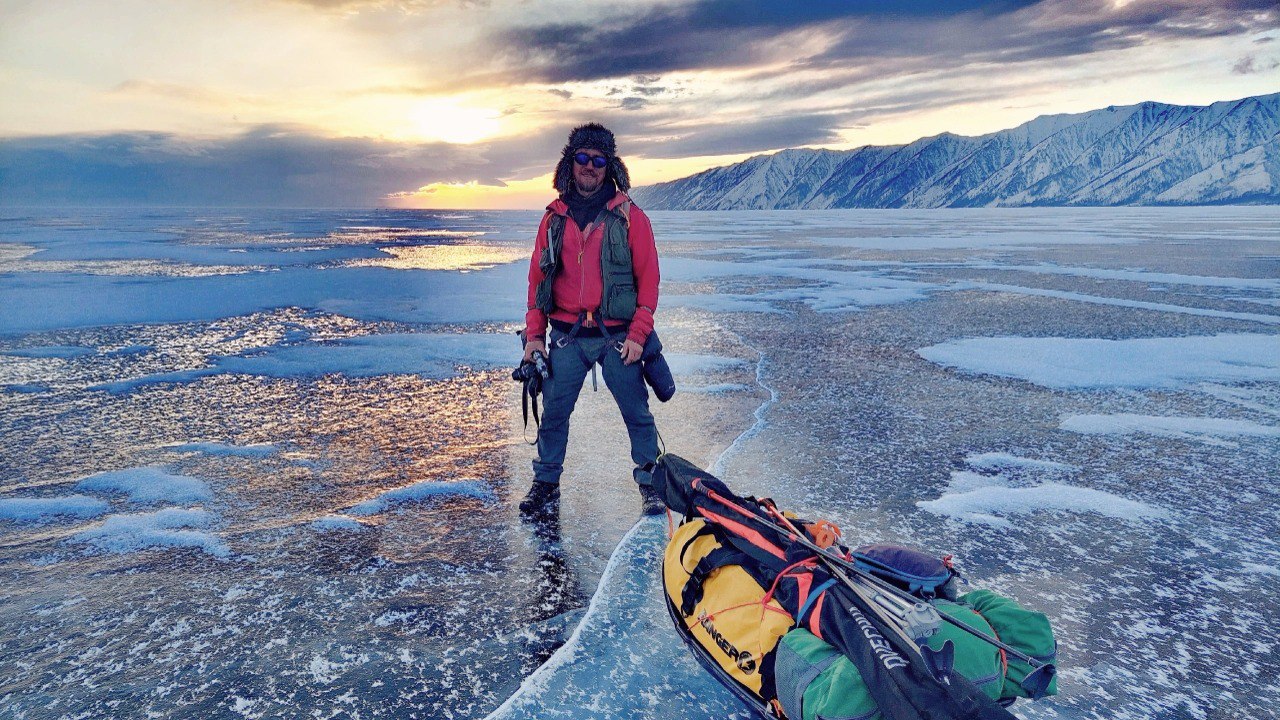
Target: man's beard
<point x="586" y="189"/>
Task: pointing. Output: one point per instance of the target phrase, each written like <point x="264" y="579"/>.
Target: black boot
<point x="542" y="498"/>
<point x="650" y="502"/>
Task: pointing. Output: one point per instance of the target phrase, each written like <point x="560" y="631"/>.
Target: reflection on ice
<point x="446" y="257"/>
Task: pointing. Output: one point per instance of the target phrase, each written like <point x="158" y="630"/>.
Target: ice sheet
<point x="32" y="302"/>
<point x="52" y="351"/>
<point x="324" y="612"/>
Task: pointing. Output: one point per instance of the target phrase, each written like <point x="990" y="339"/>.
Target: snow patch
<point x="1204" y="429"/>
<point x="420" y="491"/>
<point x="149" y="485"/>
<point x="40" y="510"/>
<point x="994" y="503"/>
<point x="160" y="529"/>
<point x="329" y="523"/>
<point x="991" y="498"/>
<point x="1088" y="363"/>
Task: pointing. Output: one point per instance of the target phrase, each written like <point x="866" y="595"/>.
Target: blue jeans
<point x="569" y="367"/>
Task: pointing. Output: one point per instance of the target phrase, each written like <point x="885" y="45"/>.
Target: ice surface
<point x="1142" y="276"/>
<point x="1205" y="429"/>
<point x="1123" y="302"/>
<point x="31" y="302"/>
<point x="419" y="492"/>
<point x="167" y="528"/>
<point x="48" y="508"/>
<point x="1000" y="461"/>
<point x="52" y="351"/>
<point x="216" y="448"/>
<point x="685" y="364"/>
<point x="726" y="303"/>
<point x="825" y="290"/>
<point x="307" y="332"/>
<point x="623" y="659"/>
<point x="336" y="522"/>
<point x="434" y="355"/>
<point x="148" y="485"/>
<point x="1091" y="363"/>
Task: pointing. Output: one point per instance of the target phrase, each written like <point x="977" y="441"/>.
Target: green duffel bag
<point x="1024" y="630"/>
<point x="814" y="681"/>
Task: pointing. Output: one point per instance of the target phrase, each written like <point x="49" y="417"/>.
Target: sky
<point x="467" y="104"/>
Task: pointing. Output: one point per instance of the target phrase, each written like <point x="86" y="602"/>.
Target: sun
<point x="448" y="120"/>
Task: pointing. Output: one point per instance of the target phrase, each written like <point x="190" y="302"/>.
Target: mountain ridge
<point x="1149" y="153"/>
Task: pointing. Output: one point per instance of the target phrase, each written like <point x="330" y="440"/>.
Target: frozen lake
<point x="265" y="463"/>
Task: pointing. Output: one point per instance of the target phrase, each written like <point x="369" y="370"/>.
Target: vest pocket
<point x="617" y="247"/>
<point x="622" y="301"/>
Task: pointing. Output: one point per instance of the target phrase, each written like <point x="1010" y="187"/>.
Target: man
<point x="594" y="278"/>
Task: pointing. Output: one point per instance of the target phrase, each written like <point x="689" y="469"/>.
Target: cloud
<point x="270" y="165"/>
<point x="736" y="138"/>
<point x="1249" y="64"/>
<point x="730" y="34"/>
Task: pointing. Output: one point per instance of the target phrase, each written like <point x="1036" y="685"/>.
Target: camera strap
<point x="528" y="397"/>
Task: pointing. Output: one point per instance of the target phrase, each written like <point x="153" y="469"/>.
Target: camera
<point x="535" y="367"/>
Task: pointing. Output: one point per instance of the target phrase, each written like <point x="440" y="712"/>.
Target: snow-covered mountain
<point x="1145" y="154"/>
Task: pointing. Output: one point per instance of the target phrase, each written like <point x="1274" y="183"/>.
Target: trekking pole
<point x="1035" y="681"/>
<point x="847" y="565"/>
<point x="920" y="620"/>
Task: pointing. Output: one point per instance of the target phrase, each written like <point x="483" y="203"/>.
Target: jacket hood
<point x="593" y="136"/>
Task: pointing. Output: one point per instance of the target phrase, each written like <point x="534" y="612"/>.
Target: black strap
<point x="529" y="398"/>
<point x="691" y="595"/>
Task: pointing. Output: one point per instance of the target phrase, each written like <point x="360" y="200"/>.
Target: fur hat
<point x="592" y="136"/>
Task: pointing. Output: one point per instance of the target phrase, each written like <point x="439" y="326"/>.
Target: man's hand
<point x="630" y="351"/>
<point x="531" y="346"/>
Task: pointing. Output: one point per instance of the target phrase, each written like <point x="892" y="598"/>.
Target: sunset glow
<point x="467" y="105"/>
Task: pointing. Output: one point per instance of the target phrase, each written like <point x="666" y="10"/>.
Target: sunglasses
<point x="598" y="160"/>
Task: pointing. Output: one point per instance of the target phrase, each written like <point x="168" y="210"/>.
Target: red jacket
<point x="578" y="286"/>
